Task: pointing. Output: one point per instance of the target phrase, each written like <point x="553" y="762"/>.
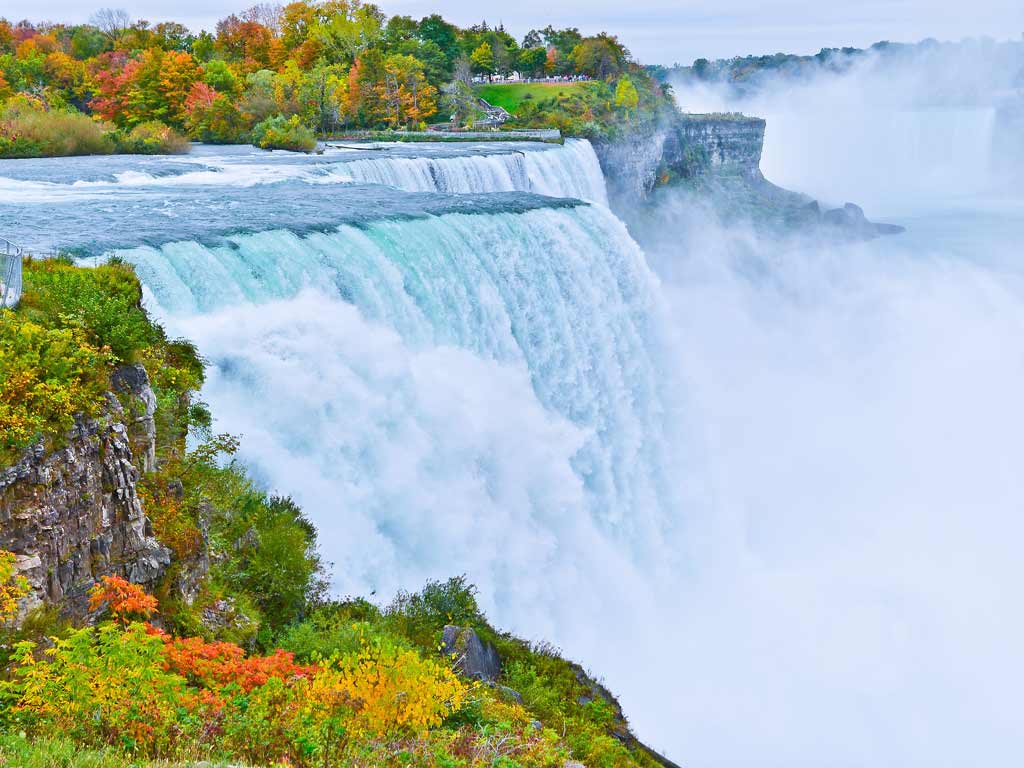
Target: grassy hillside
<point x="511" y="95"/>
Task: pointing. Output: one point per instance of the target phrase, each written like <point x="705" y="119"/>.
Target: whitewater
<point x="766" y="488"/>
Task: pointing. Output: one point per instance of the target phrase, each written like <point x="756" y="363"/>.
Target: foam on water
<point x="570" y="171"/>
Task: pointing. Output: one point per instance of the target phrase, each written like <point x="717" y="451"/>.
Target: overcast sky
<point x="657" y="31"/>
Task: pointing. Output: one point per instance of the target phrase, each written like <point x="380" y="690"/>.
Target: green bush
<point x="422" y="615"/>
<point x="280" y="132"/>
<point x="104" y="303"/>
<point x="152" y="138"/>
<point x="28" y="128"/>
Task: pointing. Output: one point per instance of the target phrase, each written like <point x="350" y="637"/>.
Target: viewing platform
<point x="10" y="273"/>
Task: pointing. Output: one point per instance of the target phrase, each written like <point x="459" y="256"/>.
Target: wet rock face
<point x="73" y="514"/>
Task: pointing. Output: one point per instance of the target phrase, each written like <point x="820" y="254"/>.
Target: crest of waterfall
<point x="572" y="171"/>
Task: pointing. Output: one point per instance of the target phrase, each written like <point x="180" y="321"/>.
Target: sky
<point x="656" y="31"/>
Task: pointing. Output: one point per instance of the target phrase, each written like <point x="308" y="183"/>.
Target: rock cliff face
<point x="681" y="147"/>
<point x="73" y="514"/>
<point x="715" y="144"/>
<point x="714" y="160"/>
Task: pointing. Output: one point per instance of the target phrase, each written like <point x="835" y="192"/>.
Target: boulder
<point x="473" y="657"/>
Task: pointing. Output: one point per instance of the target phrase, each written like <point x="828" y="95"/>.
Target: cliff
<point x="714" y="160"/>
<point x="72" y="513"/>
<point x="681" y="147"/>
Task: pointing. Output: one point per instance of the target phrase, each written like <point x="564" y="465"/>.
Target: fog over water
<point x="863" y="421"/>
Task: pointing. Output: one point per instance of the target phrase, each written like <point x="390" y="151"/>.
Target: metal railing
<point x="10" y="273"/>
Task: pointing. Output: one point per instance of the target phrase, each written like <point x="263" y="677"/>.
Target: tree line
<point x="331" y="64"/>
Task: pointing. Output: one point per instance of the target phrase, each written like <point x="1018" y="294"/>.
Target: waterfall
<point x="569" y="171"/>
<point x="492" y="373"/>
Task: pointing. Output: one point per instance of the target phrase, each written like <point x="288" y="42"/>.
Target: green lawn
<point x="510" y="95"/>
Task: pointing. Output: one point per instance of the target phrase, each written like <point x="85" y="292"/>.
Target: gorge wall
<point x="683" y="146"/>
<point x="72" y="513"/>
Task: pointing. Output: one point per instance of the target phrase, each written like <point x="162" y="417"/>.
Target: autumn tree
<point x="601" y="56"/>
<point x="409" y="97"/>
<point x="626" y="96"/>
<point x="482" y="59"/>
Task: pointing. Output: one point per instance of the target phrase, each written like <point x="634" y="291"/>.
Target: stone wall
<point x="72" y="514"/>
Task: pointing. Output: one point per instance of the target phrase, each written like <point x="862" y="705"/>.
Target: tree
<point x="446" y="36"/>
<point x="601" y="56"/>
<point x="435" y="63"/>
<point x="459" y="100"/>
<point x="533" y="39"/>
<point x="213" y="117"/>
<point x="172" y="36"/>
<point x="112" y="22"/>
<point x="349" y="31"/>
<point x="219" y="76"/>
<point x="482" y="59"/>
<point x="400" y="29"/>
<point x="265" y="14"/>
<point x="532" y="60"/>
<point x="626" y="96"/>
<point x="88" y="42"/>
<point x="410" y="98"/>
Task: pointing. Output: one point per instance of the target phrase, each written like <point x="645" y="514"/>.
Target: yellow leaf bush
<point x="47" y="375"/>
<point x="13" y="587"/>
<point x="392" y="690"/>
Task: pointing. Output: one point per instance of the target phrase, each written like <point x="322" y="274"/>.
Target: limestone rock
<point x="72" y="514"/>
<point x="132" y="382"/>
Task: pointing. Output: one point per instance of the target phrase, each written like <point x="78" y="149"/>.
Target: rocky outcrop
<point x="714" y="159"/>
<point x="479" y="660"/>
<point x="631" y="163"/>
<point x="72" y="513"/>
<point x="683" y="146"/>
<point x="473" y="657"/>
<point x="132" y="383"/>
<point x="715" y="144"/>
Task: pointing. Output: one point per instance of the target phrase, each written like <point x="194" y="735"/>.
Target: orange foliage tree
<point x="123" y="598"/>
